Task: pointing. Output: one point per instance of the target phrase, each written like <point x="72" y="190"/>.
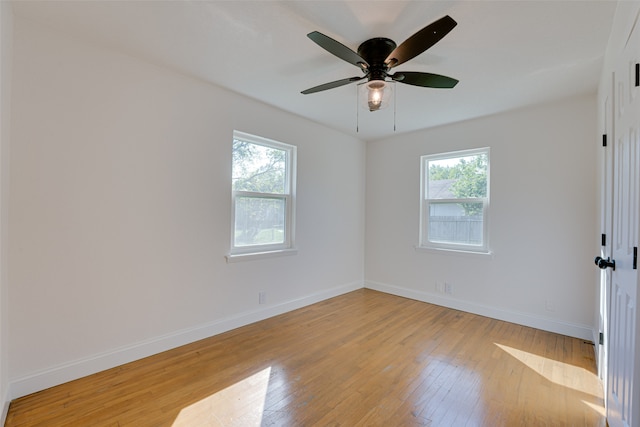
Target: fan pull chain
<point x="395" y="95"/>
<point x="357" y="109"/>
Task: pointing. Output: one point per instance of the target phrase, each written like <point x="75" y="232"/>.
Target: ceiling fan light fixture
<point x="378" y="94"/>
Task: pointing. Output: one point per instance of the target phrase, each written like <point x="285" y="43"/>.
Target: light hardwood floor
<point x="362" y="359"/>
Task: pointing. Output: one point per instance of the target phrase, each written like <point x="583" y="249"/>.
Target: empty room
<point x="311" y="213"/>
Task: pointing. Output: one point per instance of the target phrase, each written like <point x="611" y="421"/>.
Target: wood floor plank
<point x="362" y="359"/>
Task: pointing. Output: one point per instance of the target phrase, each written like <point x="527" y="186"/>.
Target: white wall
<point x="6" y="40"/>
<point x="542" y="226"/>
<point x="120" y="211"/>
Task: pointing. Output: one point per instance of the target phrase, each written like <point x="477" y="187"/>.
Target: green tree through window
<point x="258" y="168"/>
<point x="469" y="177"/>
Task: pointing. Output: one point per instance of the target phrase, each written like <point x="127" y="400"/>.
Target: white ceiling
<point x="506" y="54"/>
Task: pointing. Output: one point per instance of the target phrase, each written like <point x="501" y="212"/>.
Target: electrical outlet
<point x="549" y="306"/>
<point x="439" y="286"/>
<point x="448" y="288"/>
<point x="262" y="297"/>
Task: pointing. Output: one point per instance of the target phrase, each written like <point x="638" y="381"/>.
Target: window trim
<point x="423" y="241"/>
<point x="247" y="252"/>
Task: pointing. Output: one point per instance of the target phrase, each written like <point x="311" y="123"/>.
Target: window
<point x="263" y="181"/>
<point x="455" y="200"/>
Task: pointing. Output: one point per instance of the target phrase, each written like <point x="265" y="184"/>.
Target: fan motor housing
<point x="375" y="51"/>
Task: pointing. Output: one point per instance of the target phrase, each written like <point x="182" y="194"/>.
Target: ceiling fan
<point x="377" y="56"/>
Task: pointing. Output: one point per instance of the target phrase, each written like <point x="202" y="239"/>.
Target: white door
<point x="623" y="394"/>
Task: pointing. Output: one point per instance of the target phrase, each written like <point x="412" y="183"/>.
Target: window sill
<point x="250" y="256"/>
<point x="445" y="251"/>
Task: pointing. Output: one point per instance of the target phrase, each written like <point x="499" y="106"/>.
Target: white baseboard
<point x="584" y="332"/>
<point x="99" y="362"/>
<point x="5" y="408"/>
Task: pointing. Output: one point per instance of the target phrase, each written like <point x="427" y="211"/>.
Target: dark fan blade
<point x="338" y="49"/>
<point x="332" y="85"/>
<point x="421" y="41"/>
<point x="425" y="79"/>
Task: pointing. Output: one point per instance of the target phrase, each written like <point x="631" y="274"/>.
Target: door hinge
<point x="637" y="74"/>
<point x="604" y="140"/>
<point x="601" y="338"/>
<point x="604" y="240"/>
<point x="635" y="257"/>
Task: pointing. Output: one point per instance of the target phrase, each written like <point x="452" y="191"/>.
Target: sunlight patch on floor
<point x="563" y="374"/>
<point x="598" y="408"/>
<point x="559" y="373"/>
<point x="241" y="404"/>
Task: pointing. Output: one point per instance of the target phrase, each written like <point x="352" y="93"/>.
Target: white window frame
<point x="425" y="203"/>
<point x="246" y="252"/>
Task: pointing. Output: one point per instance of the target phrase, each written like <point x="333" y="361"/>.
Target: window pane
<point x="460" y="223"/>
<point x="259" y="221"/>
<point x="458" y="177"/>
<point x="258" y="168"/>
